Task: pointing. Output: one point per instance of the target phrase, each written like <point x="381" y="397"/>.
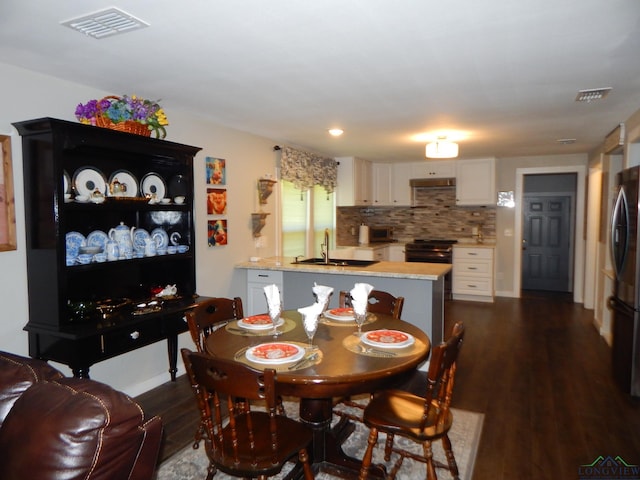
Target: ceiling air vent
<point x="105" y="23"/>
<point x="592" y="94"/>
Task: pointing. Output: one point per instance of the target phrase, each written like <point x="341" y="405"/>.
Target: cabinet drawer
<point x="472" y="286"/>
<point x="137" y="336"/>
<point x="469" y="253"/>
<point x="264" y="276"/>
<point x="473" y="268"/>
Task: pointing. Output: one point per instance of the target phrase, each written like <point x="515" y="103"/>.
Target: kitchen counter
<point x="421" y="284"/>
<point x="420" y="271"/>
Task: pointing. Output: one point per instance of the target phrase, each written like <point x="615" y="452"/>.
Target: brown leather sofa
<point x="53" y="427"/>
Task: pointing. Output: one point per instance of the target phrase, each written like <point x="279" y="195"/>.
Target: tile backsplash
<point x="438" y="217"/>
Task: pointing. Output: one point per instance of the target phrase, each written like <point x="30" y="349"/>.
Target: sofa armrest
<point x="145" y="464"/>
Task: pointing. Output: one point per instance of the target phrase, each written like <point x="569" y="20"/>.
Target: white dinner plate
<point x="153" y="184"/>
<point x="66" y="182"/>
<point x="274" y="353"/>
<point x="87" y="180"/>
<point x="387" y="338"/>
<point x="73" y="242"/>
<point x="258" y="322"/>
<point x="98" y="238"/>
<point x="344" y="314"/>
<point x="160" y="237"/>
<point x="126" y="178"/>
<point x="140" y="237"/>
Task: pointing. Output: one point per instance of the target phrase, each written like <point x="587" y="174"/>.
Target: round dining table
<point x="344" y="366"/>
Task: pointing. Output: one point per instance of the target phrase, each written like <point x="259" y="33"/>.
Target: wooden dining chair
<point x="209" y="314"/>
<point x="242" y="441"/>
<point x="379" y="302"/>
<point x="421" y="419"/>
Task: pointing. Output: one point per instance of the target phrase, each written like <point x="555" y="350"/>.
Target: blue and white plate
<point x="160" y="237"/>
<point x="66" y="181"/>
<point x="140" y="236"/>
<point x="98" y="238"/>
<point x="74" y="241"/>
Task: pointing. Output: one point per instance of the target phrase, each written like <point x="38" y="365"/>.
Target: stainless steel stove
<point x="432" y="251"/>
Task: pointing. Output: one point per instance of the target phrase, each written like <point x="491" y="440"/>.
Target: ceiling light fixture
<point x="442" y="148"/>
<point x="105" y="23"/>
<point x="336" y="132"/>
<point x="592" y="94"/>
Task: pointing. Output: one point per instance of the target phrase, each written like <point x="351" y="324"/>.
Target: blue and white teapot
<point x="123" y="235"/>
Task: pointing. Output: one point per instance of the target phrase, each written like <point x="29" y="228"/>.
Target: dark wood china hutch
<point x="81" y="314"/>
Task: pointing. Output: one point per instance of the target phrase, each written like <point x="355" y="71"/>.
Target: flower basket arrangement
<point x="129" y="114"/>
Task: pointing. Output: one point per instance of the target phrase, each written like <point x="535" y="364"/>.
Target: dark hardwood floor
<point x="536" y="367"/>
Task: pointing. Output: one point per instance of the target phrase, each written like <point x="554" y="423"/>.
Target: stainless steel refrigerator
<point x="625" y="302"/>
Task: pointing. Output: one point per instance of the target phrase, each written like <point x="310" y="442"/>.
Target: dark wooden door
<point x="546" y="242"/>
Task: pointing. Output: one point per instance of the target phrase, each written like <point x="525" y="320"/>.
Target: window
<point x="305" y="216"/>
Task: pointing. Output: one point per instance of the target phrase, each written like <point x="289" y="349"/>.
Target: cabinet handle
<point x="263" y="275"/>
<point x="472" y="286"/>
<point x="101" y="343"/>
<point x="472" y="254"/>
<point x="134" y="335"/>
<point x="471" y="268"/>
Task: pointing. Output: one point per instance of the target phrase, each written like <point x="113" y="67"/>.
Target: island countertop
<point x="413" y="270"/>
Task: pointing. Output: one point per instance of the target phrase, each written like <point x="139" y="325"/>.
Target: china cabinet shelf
<point x="65" y="324"/>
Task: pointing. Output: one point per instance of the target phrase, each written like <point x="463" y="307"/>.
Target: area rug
<point x="465" y="434"/>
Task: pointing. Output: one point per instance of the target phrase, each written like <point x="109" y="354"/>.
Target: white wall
<point x="30" y="95"/>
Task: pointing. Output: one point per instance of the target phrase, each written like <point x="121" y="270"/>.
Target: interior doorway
<point x="576" y="256"/>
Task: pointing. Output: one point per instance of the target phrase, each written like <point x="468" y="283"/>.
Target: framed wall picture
<point x="216" y="171"/>
<point x="7" y="201"/>
<point x="216" y="201"/>
<point x="217" y="233"/>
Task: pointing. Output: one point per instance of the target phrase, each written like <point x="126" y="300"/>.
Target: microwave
<point x="380" y="234"/>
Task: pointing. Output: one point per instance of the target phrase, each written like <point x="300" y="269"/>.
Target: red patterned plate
<point x="388" y="338"/>
<point x="344" y="314"/>
<point x="258" y="322"/>
<point x="275" y="352"/>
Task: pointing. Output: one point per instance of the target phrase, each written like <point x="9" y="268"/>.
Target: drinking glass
<point x="310" y="329"/>
<point x="360" y="319"/>
<point x="274" y="314"/>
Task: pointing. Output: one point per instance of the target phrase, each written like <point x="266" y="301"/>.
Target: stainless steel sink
<point x="335" y="262"/>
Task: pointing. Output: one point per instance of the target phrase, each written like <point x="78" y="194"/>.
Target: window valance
<point x="306" y="169"/>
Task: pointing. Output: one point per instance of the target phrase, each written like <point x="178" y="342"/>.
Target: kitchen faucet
<point x="324" y="247"/>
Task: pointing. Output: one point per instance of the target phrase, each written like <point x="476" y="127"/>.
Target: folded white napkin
<point x="273" y="299"/>
<point x="310" y="315"/>
<point x="360" y="297"/>
<point x="322" y="293"/>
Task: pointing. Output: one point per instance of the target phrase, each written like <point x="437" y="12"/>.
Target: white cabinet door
<point x="382" y="184"/>
<point x="354" y="182"/>
<point x="431" y="169"/>
<point x="400" y="191"/>
<point x="256" y="281"/>
<point x="476" y="182"/>
<point x="396" y="253"/>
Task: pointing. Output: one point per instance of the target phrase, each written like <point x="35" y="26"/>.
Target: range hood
<point x="432" y="182"/>
<point x="417" y="184"/>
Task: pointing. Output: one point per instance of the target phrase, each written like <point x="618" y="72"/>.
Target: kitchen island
<point x="421" y="284"/>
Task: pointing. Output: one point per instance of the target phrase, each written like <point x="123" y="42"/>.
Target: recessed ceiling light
<point x="336" y="132"/>
<point x="105" y="23"/>
<point x="592" y="94"/>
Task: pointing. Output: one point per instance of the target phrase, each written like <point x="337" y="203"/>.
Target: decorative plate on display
<point x="258" y="322"/>
<point x="73" y="242"/>
<point x="160" y="237"/>
<point x="66" y="181"/>
<point x="124" y="178"/>
<point x="140" y="237"/>
<point x="275" y="353"/>
<point x="97" y="238"/>
<point x="87" y="180"/>
<point x="345" y="314"/>
<point x="153" y="184"/>
<point x="388" y="338"/>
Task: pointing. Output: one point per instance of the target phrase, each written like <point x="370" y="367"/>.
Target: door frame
<point x="578" y="240"/>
